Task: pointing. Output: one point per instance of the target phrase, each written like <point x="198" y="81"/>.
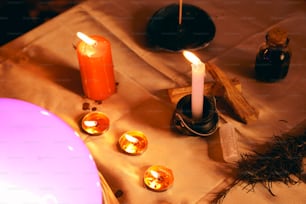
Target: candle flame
<point x="155" y="174"/>
<point x="191" y="57"/>
<point x="86" y="39"/>
<point x="90" y="123"/>
<point x="131" y="138"/>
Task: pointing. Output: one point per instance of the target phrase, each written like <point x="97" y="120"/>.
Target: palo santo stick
<point x="210" y="89"/>
<point x="234" y="98"/>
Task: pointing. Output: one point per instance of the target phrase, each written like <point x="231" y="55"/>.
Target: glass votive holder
<point x="133" y="142"/>
<point x="95" y="123"/>
<point x="158" y="178"/>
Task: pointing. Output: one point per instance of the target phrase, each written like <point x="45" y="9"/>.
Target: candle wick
<point x="94" y="44"/>
<point x="74" y="46"/>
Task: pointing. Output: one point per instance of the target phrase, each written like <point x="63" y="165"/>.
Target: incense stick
<point x="180" y="11"/>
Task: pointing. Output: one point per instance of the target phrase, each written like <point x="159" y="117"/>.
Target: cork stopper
<point x="277" y="36"/>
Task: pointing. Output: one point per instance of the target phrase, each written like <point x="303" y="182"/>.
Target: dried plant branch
<point x="281" y="162"/>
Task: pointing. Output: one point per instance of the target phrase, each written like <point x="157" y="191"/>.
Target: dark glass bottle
<point x="273" y="59"/>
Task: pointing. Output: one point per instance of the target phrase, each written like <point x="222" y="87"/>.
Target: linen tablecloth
<point x="41" y="67"/>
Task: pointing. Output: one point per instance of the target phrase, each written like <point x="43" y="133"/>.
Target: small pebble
<point x="85" y="106"/>
<point x="99" y="102"/>
<point x="119" y="193"/>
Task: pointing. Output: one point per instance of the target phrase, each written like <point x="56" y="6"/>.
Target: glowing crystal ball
<point x="42" y="159"/>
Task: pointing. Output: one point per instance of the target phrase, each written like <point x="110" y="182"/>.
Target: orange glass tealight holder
<point x="158" y="178"/>
<point x="95" y="123"/>
<point x="133" y="142"/>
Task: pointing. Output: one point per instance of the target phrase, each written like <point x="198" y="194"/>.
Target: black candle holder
<point x="182" y="121"/>
<point x="165" y="32"/>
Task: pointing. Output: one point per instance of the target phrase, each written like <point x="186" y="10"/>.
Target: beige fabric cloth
<point x="41" y="67"/>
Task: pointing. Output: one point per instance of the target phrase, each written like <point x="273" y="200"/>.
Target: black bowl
<point x="182" y="121"/>
<point x="195" y="31"/>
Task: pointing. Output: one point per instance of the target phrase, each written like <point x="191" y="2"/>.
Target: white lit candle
<point x="198" y="74"/>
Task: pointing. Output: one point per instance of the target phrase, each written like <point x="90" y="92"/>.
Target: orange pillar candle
<point x="96" y="66"/>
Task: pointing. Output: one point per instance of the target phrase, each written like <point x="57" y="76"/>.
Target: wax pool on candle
<point x="198" y="74"/>
<point x="96" y="67"/>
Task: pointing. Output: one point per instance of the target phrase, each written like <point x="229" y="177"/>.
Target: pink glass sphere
<point x="42" y="159"/>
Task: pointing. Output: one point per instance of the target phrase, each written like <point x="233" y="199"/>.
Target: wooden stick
<point x="234" y="98"/>
<point x="212" y="196"/>
<point x="210" y="89"/>
<point x="108" y="195"/>
<point x="180" y="11"/>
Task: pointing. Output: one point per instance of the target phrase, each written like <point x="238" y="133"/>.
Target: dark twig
<point x="281" y="162"/>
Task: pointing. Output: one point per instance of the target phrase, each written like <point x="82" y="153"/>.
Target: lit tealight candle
<point x="158" y="178"/>
<point x="133" y="142"/>
<point x="198" y="74"/>
<point x="95" y="123"/>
